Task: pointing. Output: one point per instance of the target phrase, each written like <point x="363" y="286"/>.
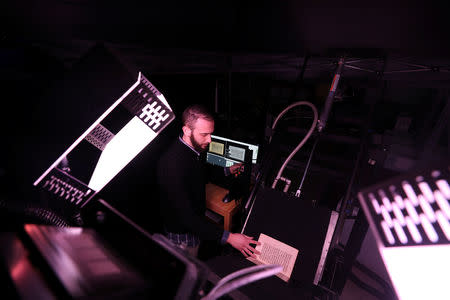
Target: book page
<point x="276" y="252"/>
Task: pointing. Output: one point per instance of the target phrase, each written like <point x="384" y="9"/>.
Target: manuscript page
<point x="276" y="252"/>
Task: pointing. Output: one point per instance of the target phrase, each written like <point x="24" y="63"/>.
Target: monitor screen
<point x="224" y="140"/>
<point x="217" y="148"/>
<point x="227" y="152"/>
<point x="236" y="152"/>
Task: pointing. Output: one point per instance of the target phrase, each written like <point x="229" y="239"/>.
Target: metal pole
<point x="299" y="190"/>
<point x="330" y="98"/>
<point x="362" y="151"/>
<point x="323" y="118"/>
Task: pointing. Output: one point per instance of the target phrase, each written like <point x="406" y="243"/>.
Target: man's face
<point x="200" y="136"/>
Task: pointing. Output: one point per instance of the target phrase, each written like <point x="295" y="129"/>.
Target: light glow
<point x="427" y="209"/>
<point x="399" y="201"/>
<point x="443" y="222"/>
<point x="413" y="230"/>
<point x="388" y="233"/>
<point x="426" y="191"/>
<point x="385" y="200"/>
<point x="125" y="145"/>
<point x="412" y="211"/>
<point x="444" y="187"/>
<point x="92" y="127"/>
<point x="418" y="272"/>
<point x="417" y="252"/>
<point x="375" y="203"/>
<point x="410" y="193"/>
<point x="443" y="203"/>
<point x="386" y="216"/>
<point x="400" y="233"/>
<point x="429" y="230"/>
<point x="398" y="214"/>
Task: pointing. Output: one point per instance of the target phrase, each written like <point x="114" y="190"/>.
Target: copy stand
<point x="289" y="220"/>
<point x="293" y="222"/>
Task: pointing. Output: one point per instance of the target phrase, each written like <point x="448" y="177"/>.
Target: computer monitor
<point x="226" y="152"/>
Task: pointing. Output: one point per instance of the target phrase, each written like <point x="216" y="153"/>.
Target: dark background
<point x="63" y="62"/>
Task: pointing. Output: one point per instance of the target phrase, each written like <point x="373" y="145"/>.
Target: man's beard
<point x="196" y="145"/>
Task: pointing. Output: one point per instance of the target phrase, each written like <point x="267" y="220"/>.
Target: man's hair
<point x="194" y="112"/>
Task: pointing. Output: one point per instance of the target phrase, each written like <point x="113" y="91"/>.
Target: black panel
<point x="293" y="222"/>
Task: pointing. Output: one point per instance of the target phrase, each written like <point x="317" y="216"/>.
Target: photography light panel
<point x="410" y="218"/>
<point x="109" y="144"/>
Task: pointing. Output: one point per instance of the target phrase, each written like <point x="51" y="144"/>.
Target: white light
<point x="387" y="232"/>
<point x="443" y="222"/>
<point x="64" y="155"/>
<point x="399" y="200"/>
<point x="418" y="272"/>
<point x="386" y="216"/>
<point x="398" y="214"/>
<point x="73" y="230"/>
<point x="444" y="187"/>
<point x="163" y="99"/>
<point x="429" y="230"/>
<point x="125" y="145"/>
<point x="397" y="197"/>
<point x="376" y="206"/>
<point x="413" y="230"/>
<point x="426" y="191"/>
<point x="412" y="211"/>
<point x="427" y="208"/>
<point x="387" y="204"/>
<point x="443" y="203"/>
<point x="410" y="193"/>
<point x="385" y="200"/>
<point x="400" y="233"/>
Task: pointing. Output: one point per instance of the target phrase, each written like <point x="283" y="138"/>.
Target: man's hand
<point x="241" y="242"/>
<point x="237" y="168"/>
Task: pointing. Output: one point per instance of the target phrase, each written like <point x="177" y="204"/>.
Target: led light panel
<point x="109" y="144"/>
<point x="410" y="218"/>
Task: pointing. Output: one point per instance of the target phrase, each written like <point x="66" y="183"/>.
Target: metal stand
<point x="323" y="119"/>
<point x="299" y="190"/>
<point x="320" y="126"/>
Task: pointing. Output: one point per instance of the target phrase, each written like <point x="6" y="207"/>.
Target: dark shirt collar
<point x="190" y="147"/>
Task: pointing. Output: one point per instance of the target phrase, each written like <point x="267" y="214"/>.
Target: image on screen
<point x="236" y="153"/>
<point x="254" y="148"/>
<point x="217" y="148"/>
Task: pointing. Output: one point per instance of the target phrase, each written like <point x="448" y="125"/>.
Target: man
<point x="182" y="178"/>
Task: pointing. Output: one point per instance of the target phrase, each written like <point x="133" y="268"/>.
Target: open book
<point x="276" y="252"/>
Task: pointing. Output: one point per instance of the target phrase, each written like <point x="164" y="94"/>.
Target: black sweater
<point x="181" y="180"/>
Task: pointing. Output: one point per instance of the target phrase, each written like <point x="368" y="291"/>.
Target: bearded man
<point x="182" y="179"/>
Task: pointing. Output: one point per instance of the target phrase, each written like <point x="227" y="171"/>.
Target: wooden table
<point x="214" y="196"/>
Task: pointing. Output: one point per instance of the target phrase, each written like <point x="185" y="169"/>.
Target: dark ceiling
<point x="401" y="44"/>
<point x="257" y="56"/>
<point x="406" y="41"/>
